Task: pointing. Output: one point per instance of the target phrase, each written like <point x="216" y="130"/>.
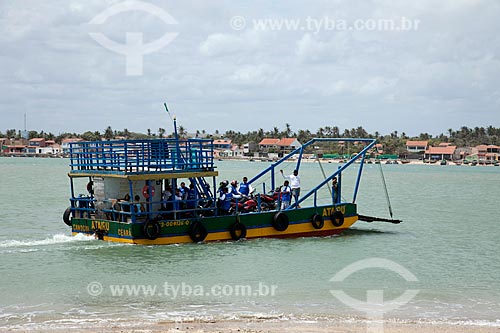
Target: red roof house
<point x="440" y="153"/>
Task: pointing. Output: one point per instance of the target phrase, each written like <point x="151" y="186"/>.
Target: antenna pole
<point x="386" y="192"/>
<point x="174" y="119"/>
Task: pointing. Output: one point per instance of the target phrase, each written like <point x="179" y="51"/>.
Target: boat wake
<point x="55" y="239"/>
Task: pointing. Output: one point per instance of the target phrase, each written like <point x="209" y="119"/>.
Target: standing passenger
<point x="335" y="191"/>
<point x="294" y="184"/>
<point x="245" y="188"/>
<point x="192" y="197"/>
<point x="286" y="195"/>
<point x="225" y="201"/>
<point x="234" y="188"/>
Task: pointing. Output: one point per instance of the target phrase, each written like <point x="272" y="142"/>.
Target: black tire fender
<point x="317" y="221"/>
<point x="197" y="231"/>
<point x="337" y="218"/>
<point x="151" y="229"/>
<point x="67" y="217"/>
<point x="238" y="230"/>
<point x="280" y="221"/>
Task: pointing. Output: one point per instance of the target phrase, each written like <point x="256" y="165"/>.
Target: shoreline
<point x="255" y="325"/>
<point x="336" y="161"/>
<point x="260" y="159"/>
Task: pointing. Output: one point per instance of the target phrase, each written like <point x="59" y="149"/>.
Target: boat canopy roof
<point x="143" y="159"/>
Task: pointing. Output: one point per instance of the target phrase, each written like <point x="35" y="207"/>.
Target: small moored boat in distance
<point x="132" y="187"/>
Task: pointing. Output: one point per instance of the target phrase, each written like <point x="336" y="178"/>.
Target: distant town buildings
<point x="35" y="147"/>
<point x="442" y="152"/>
<point x="284" y="145"/>
<point x="416" y="146"/>
<point x="273" y="148"/>
<point x="65" y="144"/>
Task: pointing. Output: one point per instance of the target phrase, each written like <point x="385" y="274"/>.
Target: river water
<point x="449" y="243"/>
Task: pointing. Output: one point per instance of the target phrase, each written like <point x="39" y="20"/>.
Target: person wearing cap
<point x="225" y="201"/>
<point x="233" y="188"/>
<point x="222" y="184"/>
<point x="245" y="188"/>
<point x="220" y="191"/>
<point x="294" y="184"/>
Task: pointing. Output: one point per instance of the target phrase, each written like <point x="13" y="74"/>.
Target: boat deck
<point x="142" y="157"/>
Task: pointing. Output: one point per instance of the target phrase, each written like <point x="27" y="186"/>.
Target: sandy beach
<point x="281" y="326"/>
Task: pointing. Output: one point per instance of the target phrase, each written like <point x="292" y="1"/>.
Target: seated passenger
<point x="167" y="198"/>
<point x="177" y="198"/>
<point x="123" y="206"/>
<point x="184" y="193"/>
<point x="138" y="206"/>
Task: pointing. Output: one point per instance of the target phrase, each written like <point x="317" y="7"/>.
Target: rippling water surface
<point x="449" y="241"/>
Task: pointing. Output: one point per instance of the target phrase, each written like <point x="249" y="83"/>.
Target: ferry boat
<point x="127" y="182"/>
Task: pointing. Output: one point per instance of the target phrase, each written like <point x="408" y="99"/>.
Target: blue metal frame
<point x="142" y="156"/>
<point x="300" y="150"/>
<point x="173" y="155"/>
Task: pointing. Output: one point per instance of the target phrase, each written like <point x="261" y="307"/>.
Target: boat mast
<point x="176" y="136"/>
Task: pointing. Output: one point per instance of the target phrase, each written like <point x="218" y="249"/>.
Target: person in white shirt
<point x="294" y="184"/>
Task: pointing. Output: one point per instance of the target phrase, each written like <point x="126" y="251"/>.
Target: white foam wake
<point x="55" y="239"/>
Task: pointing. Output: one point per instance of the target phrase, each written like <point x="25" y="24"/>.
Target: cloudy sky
<point x="242" y="65"/>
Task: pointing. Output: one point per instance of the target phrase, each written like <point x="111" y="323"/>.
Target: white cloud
<point x="310" y="49"/>
<point x="255" y="74"/>
<point x="50" y="63"/>
<point x="226" y="44"/>
<point x="377" y="85"/>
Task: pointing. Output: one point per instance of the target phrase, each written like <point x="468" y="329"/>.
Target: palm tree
<point x="182" y="131"/>
<point x="108" y="133"/>
<point x="288" y="131"/>
<point x="335" y="132"/>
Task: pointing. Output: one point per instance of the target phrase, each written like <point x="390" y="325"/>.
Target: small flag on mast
<point x="166" y="109"/>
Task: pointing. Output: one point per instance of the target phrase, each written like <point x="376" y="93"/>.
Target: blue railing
<point x="367" y="145"/>
<point x="142" y="156"/>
